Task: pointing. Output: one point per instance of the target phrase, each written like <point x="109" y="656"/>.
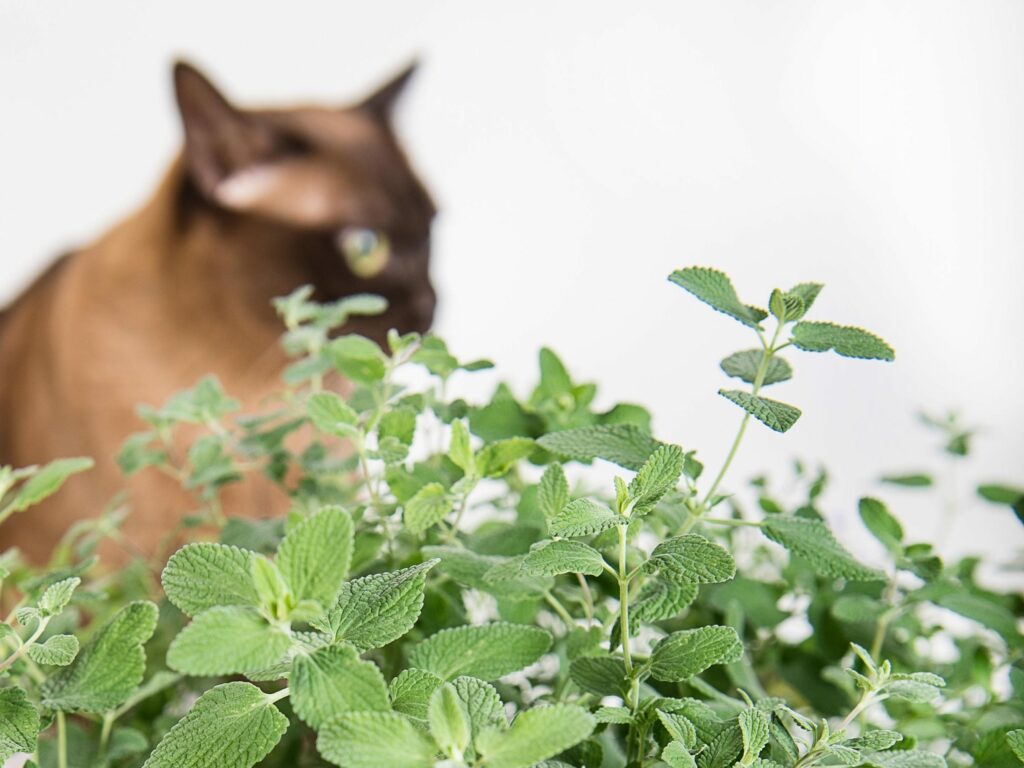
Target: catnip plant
<point x="449" y="588"/>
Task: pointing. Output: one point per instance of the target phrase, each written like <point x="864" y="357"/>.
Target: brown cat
<point x="258" y="203"/>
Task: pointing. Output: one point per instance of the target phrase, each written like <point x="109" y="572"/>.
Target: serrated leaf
<point x="58" y="651"/>
<point x="693" y="558"/>
<point x="773" y="414"/>
<point x="553" y="491"/>
<point x="883" y="526"/>
<point x="482" y="703"/>
<point x="845" y="340"/>
<point x="109" y="667"/>
<point x="715" y="289"/>
<point x="411" y="690"/>
<point x="753" y="725"/>
<point x="357" y="358"/>
<point x="723" y="749"/>
<point x="374" y="740"/>
<point x="448" y="721"/>
<point x="315" y="555"/>
<point x="624" y="444"/>
<point x="19" y="723"/>
<point x="535" y="735"/>
<point x="495" y="459"/>
<point x="1016" y="741"/>
<point x="744" y="366"/>
<point x="875" y="741"/>
<point x="600" y="675"/>
<point x="786" y="306"/>
<point x="807" y="292"/>
<point x="679" y="728"/>
<point x="675" y="755"/>
<point x="227" y="640"/>
<point x="614" y="715"/>
<point x="583" y="517"/>
<point x="488" y="651"/>
<point x="233" y="725"/>
<point x="57" y="596"/>
<point x="659" y="474"/>
<point x="906" y="759"/>
<point x="684" y="654"/>
<point x="334" y="680"/>
<point x="481" y="572"/>
<point x="205" y="575"/>
<point x="375" y="610"/>
<point x="660" y="599"/>
<point x="459" y="449"/>
<point x="427" y="508"/>
<point x="47" y="481"/>
<point x="399" y="423"/>
<point x="552" y="558"/>
<point x="332" y="415"/>
<point x="813" y="541"/>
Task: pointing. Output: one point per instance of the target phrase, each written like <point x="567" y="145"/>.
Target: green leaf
<point x="675" y="755"/>
<point x="552" y="558"/>
<point x="918" y="480"/>
<point x="205" y="575"/>
<point x="315" y="555"/>
<point x="449" y="721"/>
<point x="227" y="640"/>
<point x="583" y="517"/>
<point x="786" y="307"/>
<point x="678" y="727"/>
<point x="1000" y="494"/>
<point x="659" y="474"/>
<point x="399" y="423"/>
<point x="744" y="365"/>
<point x="660" y="599"/>
<point x="535" y="735"/>
<point x="482" y="704"/>
<point x="600" y="675"/>
<point x="271" y="587"/>
<point x="427" y="508"/>
<point x="375" y="610"/>
<point x="109" y="667"/>
<point x="553" y="491"/>
<point x="715" y="289"/>
<point x="1016" y="741"/>
<point x="843" y="339"/>
<point x="624" y="444"/>
<point x="693" y="558"/>
<point x="495" y="459"/>
<point x="773" y="414"/>
<point x="488" y="651"/>
<point x="334" y="680"/>
<point x="986" y="612"/>
<point x="459" y="449"/>
<point x="807" y="292"/>
<point x="58" y="650"/>
<point x="684" y="654"/>
<point x="874" y="741"/>
<point x="375" y="740"/>
<point x="57" y="596"/>
<point x="19" y="723"/>
<point x="233" y="725"/>
<point x="813" y="541"/>
<point x="357" y="358"/>
<point x="883" y="526"/>
<point x="411" y="691"/>
<point x="332" y="415"/>
<point x="46" y="482"/>
<point x="754" y="729"/>
<point x="906" y="759"/>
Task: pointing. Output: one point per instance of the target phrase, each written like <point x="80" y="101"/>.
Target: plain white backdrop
<point x="581" y="151"/>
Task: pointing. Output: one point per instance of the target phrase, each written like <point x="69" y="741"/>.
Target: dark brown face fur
<point x="305" y="179"/>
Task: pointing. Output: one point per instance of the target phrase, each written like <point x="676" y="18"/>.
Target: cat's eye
<point x="366" y="251"/>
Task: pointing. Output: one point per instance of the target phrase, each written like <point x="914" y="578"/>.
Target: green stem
<point x="556" y="604"/>
<point x="62" y="740"/>
<point x="24" y="646"/>
<point x="275" y="697"/>
<point x="624" y="605"/>
<point x="108" y="724"/>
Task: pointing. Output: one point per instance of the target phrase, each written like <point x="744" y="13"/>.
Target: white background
<point x="581" y="151"/>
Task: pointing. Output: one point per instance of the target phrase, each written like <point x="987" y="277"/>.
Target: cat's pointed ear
<point x="219" y="139"/>
<point x="382" y="101"/>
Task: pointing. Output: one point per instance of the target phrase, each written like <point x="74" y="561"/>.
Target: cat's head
<point x="335" y="180"/>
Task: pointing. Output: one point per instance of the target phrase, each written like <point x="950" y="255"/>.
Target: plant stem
<point x="62" y="740"/>
<point x="275" y="697"/>
<point x="588" y="598"/>
<point x="624" y="604"/>
<point x="556" y="604"/>
<point x="108" y="723"/>
<point x="24" y="646"/>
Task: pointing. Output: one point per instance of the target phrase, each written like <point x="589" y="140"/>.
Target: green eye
<point x="366" y="251"/>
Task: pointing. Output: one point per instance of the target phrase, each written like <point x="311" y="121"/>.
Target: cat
<point x="257" y="203"/>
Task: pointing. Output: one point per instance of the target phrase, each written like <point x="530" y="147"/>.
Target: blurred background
<point x="581" y="151"/>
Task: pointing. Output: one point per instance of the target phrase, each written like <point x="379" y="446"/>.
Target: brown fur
<point x="250" y="211"/>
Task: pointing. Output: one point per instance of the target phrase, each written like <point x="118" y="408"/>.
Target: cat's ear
<point x="220" y="140"/>
<point x="382" y="101"/>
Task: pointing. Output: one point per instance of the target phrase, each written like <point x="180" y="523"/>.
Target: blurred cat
<point x="258" y="203"/>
